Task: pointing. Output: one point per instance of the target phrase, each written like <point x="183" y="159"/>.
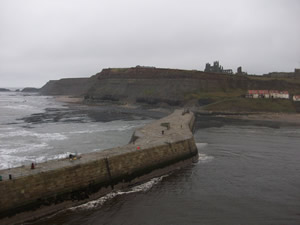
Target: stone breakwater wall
<point x="155" y="149"/>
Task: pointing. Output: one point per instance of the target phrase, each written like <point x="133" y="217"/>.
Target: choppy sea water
<point x="37" y="128"/>
<point x="245" y="174"/>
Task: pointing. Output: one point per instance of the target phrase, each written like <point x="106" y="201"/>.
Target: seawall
<point x="154" y="149"/>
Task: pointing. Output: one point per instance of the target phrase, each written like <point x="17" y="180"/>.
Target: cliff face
<point x="30" y="89"/>
<point x="70" y="86"/>
<point x="153" y="85"/>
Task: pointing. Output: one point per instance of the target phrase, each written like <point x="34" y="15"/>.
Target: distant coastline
<point x="174" y="88"/>
<point x="4" y="90"/>
<point x="22" y="89"/>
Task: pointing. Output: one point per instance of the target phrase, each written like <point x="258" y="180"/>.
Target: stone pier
<point x="155" y="149"/>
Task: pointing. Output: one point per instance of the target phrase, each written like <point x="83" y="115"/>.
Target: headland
<point x="169" y="88"/>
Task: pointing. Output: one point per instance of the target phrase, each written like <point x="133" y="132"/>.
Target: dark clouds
<point x="42" y="40"/>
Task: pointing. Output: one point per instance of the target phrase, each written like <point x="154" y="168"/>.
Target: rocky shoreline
<point x="77" y="111"/>
<point x="207" y="118"/>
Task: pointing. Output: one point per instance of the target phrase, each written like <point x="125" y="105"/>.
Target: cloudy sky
<point x="51" y="39"/>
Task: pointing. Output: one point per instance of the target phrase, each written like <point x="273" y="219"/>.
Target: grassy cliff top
<point x="160" y="73"/>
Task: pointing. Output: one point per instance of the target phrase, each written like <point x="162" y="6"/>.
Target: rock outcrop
<point x="30" y="89"/>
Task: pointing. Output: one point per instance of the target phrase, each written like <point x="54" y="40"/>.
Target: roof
<point x="252" y="92"/>
<point x="284" y="92"/>
<point x="263" y="91"/>
<point x="267" y="92"/>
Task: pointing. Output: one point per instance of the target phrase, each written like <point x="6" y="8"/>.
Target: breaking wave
<point x="58" y="156"/>
<point x="20" y="107"/>
<point x="42" y="136"/>
<point x="139" y="188"/>
<point x="10" y="161"/>
<point x="104" y="129"/>
<point x="203" y="158"/>
<point x="25" y="147"/>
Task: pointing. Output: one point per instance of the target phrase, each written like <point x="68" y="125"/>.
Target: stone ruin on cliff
<point x="217" y="68"/>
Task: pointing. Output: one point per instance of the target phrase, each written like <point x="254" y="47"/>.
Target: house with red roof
<point x="296" y="98"/>
<point x="268" y="94"/>
<point x="252" y="94"/>
<point x="285" y="94"/>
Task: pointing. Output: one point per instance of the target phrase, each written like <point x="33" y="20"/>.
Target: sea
<point x="36" y="128"/>
<point x="246" y="174"/>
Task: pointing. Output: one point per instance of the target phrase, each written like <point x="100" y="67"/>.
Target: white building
<point x="274" y="94"/>
<point x="296" y="98"/>
<point x="284" y="94"/>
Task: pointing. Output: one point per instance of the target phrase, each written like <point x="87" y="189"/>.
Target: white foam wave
<point x="58" y="156"/>
<point x="82" y="132"/>
<point x="26" y="133"/>
<point x="139" y="188"/>
<point x="201" y="145"/>
<point x="51" y="136"/>
<point x="103" y="129"/>
<point x="10" y="161"/>
<point x="25" y="147"/>
<point x="20" y="107"/>
<point x="6" y="128"/>
<point x="203" y="158"/>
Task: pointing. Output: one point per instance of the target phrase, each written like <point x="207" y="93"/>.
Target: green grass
<point x="252" y="105"/>
<point x="217" y="95"/>
<point x="149" y="92"/>
<point x="287" y="79"/>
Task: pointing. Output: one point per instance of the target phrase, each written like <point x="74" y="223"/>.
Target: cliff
<point x="67" y="86"/>
<point x="176" y="87"/>
<point x="152" y="85"/>
<point x="170" y="86"/>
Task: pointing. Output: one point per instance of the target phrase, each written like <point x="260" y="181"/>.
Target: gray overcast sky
<point x="51" y="39"/>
